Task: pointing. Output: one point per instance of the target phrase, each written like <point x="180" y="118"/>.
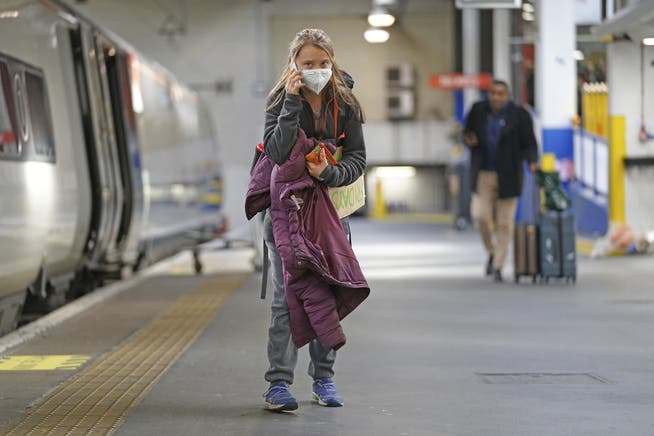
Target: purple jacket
<point x="322" y="277"/>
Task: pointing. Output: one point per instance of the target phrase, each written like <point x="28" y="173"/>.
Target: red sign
<point x="7" y="137"/>
<point x="460" y="81"/>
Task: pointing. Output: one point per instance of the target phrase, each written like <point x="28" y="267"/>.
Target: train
<point x="108" y="162"/>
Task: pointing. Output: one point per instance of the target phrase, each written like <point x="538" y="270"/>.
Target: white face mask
<point x="316" y="79"/>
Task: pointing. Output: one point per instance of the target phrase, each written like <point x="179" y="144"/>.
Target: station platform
<point x="437" y="349"/>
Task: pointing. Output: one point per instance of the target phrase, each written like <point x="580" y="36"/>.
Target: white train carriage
<point x="106" y="160"/>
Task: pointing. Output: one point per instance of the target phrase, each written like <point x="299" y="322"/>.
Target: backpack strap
<point x="335" y="118"/>
<point x="336" y="135"/>
<point x="264" y="271"/>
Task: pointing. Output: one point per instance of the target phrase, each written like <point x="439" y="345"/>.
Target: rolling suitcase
<point x="550" y="258"/>
<point x="558" y="257"/>
<point x="568" y="246"/>
<point x="525" y="251"/>
<point x="525" y="237"/>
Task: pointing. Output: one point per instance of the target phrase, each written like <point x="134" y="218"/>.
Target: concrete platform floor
<point x="437" y="349"/>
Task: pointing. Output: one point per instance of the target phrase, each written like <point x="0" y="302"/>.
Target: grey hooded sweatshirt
<point x="293" y="111"/>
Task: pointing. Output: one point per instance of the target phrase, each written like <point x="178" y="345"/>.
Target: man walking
<point x="500" y="136"/>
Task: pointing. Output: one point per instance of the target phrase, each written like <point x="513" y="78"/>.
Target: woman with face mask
<point x="314" y="95"/>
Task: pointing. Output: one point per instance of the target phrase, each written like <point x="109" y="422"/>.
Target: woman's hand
<point x="294" y="82"/>
<point x="316" y="169"/>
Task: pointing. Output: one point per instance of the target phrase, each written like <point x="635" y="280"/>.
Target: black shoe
<point x="497" y="276"/>
<point x="489" y="265"/>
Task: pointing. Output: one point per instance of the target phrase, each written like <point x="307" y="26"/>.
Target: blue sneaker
<point x="325" y="393"/>
<point x="278" y="398"/>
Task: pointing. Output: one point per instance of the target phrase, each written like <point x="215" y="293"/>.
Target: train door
<point x="117" y="63"/>
<point x="104" y="162"/>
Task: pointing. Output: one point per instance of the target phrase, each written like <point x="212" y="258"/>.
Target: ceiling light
<point x="9" y="14"/>
<point x="380" y="17"/>
<point x="648" y="41"/>
<point x="385" y="3"/>
<point x="374" y="35"/>
<point x="401" y="172"/>
<point x="579" y="55"/>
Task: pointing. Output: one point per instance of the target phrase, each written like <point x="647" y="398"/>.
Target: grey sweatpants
<point x="282" y="352"/>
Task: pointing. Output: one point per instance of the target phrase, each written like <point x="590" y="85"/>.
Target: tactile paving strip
<point x="97" y="400"/>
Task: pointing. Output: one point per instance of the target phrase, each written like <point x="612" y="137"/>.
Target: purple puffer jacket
<point x="322" y="277"/>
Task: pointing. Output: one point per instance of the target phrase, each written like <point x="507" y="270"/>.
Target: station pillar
<point x="470" y="46"/>
<point x="556" y="73"/>
<point x="501" y="45"/>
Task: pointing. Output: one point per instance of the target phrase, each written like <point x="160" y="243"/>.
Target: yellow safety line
<point x="42" y="363"/>
<point x="585" y="246"/>
<point x="98" y="399"/>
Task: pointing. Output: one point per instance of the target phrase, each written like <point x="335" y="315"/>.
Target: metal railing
<point x="591" y="161"/>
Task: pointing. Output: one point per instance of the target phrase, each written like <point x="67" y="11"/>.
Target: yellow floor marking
<point x="181" y="271"/>
<point x="99" y="398"/>
<point x="42" y="363"/>
<point x="585" y="246"/>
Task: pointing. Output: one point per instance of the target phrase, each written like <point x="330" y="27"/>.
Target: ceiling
<point x="635" y="21"/>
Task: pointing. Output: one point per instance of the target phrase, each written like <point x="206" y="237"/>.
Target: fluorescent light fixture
<point x="380" y="17"/>
<point x="648" y="41"/>
<point x="579" y="55"/>
<point x="374" y="35"/>
<point x="488" y="4"/>
<point x="528" y="16"/>
<point x="385" y="3"/>
<point x="9" y="14"/>
<point x="399" y="172"/>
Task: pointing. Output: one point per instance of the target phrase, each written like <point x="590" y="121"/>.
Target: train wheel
<point x="139" y="263"/>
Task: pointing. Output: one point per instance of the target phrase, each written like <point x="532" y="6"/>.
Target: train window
<point x="40" y="117"/>
<point x="9" y="146"/>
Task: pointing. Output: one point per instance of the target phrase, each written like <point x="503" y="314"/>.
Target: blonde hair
<point x="339" y="88"/>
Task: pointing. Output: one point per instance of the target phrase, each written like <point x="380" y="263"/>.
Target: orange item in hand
<point x="314" y="155"/>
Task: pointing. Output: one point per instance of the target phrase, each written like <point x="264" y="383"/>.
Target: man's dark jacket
<point x="516" y="143"/>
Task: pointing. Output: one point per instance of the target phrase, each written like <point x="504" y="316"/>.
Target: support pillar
<point x="470" y="31"/>
<point x="556" y="73"/>
<point x="501" y="46"/>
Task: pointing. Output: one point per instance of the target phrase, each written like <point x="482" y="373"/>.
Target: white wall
<point x="408" y="143"/>
<point x="424" y="40"/>
<point x="624" y="81"/>
<point x="236" y="41"/>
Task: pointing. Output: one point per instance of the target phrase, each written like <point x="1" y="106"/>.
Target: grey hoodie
<point x="281" y="127"/>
